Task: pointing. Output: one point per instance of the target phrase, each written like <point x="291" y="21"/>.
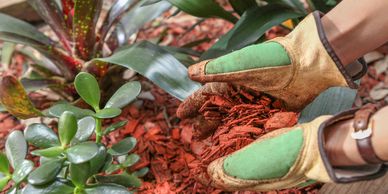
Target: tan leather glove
<point x="295" y="68"/>
<point x="292" y="157"/>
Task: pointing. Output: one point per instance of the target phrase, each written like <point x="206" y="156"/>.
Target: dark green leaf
<point x="99" y="160"/>
<point x="241" y="6"/>
<point x="107" y="189"/>
<point x="131" y="160"/>
<point x="124" y="179"/>
<point x="330" y="102"/>
<point x="124" y="95"/>
<point x="49" y="152"/>
<point x="80" y="173"/>
<point x="87" y="87"/>
<point x="156" y="64"/>
<point x="114" y="14"/>
<point x="85" y="130"/>
<point x="67" y="127"/>
<point x="51" y="13"/>
<point x="16" y="148"/>
<point x="135" y="19"/>
<point x="31" y="84"/>
<point x="323" y="5"/>
<point x="123" y="147"/>
<point x="114" y="126"/>
<point x="251" y="26"/>
<point x="45" y="173"/>
<point x="4" y="182"/>
<point x="59" y="109"/>
<point x="112" y="168"/>
<point x="22" y="171"/>
<point x="82" y="152"/>
<point x="14" y="98"/>
<point x="15" y="30"/>
<point x="108" y="162"/>
<point x="85" y="18"/>
<point x="107" y="113"/>
<point x="203" y="8"/>
<point x="142" y="172"/>
<point x="56" y="187"/>
<point x="4" y="164"/>
<point x="41" y="136"/>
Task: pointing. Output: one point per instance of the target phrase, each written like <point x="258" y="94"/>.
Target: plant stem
<point x="98" y="130"/>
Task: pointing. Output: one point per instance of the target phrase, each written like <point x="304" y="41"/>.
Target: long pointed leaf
<point x="7" y="51"/>
<point x="241" y="6"/>
<point x="157" y="65"/>
<point x="251" y="26"/>
<point x="51" y="13"/>
<point x="12" y="26"/>
<point x="203" y="8"/>
<point x="133" y="20"/>
<point x="86" y="13"/>
<point x="14" y="98"/>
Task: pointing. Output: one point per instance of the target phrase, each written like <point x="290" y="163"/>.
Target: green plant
<point x="69" y="161"/>
<point x="255" y="18"/>
<point x="82" y="46"/>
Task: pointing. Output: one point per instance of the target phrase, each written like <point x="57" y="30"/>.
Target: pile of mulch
<point x="170" y="148"/>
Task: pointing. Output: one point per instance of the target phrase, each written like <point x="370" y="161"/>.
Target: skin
<point x="342" y="149"/>
<point x="354" y="28"/>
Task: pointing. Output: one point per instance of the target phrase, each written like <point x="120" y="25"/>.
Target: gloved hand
<point x="292" y="157"/>
<point x="295" y="69"/>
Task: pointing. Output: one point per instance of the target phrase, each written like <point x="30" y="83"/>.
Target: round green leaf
<point x="107" y="189"/>
<point x="112" y="168"/>
<point x="99" y="160"/>
<point x="67" y="127"/>
<point x="123" y="147"/>
<point x="87" y="87"/>
<point x="4" y="182"/>
<point x="80" y="173"/>
<point x="49" y="152"/>
<point x="22" y="171"/>
<point x="57" y="110"/>
<point x="124" y="179"/>
<point x="131" y="160"/>
<point x="107" y="113"/>
<point x="124" y="95"/>
<point x="41" y="136"/>
<point x="142" y="172"/>
<point x="85" y="130"/>
<point x="4" y="164"/>
<point x="45" y="173"/>
<point x="56" y="187"/>
<point x="16" y="148"/>
<point x="114" y="126"/>
<point x="108" y="162"/>
<point x="82" y="152"/>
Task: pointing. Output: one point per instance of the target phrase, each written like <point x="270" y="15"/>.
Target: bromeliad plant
<point x="69" y="161"/>
<point x="82" y="46"/>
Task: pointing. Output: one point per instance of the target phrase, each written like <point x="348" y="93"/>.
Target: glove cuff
<point x="348" y="174"/>
<point x="351" y="72"/>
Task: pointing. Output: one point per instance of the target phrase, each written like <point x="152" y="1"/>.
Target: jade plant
<point x="78" y="45"/>
<point x="71" y="158"/>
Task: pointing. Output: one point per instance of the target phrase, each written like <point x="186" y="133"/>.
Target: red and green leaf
<point x="67" y="7"/>
<point x="14" y="98"/>
<point x="51" y="13"/>
<point x="86" y="13"/>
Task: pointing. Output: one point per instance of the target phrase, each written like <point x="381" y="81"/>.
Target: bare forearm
<point x="355" y="27"/>
<point x="342" y="149"/>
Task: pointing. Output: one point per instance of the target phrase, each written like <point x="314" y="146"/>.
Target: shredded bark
<point x="177" y="158"/>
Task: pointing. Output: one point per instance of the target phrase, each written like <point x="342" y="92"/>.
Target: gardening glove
<point x="295" y="68"/>
<point x="294" y="157"/>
